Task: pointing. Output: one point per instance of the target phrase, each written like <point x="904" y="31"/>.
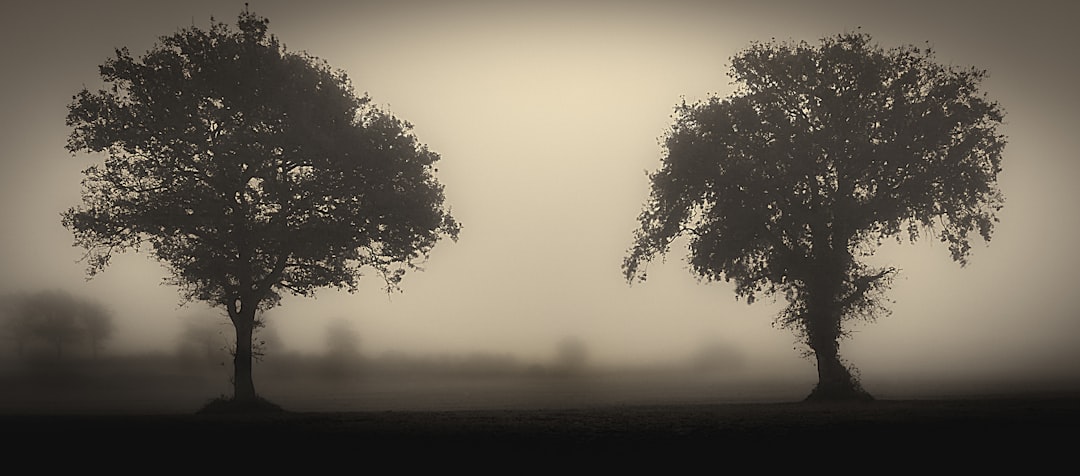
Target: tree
<point x="341" y="356"/>
<point x="571" y="355"/>
<point x="342" y="341"/>
<point x="823" y="152"/>
<point x="96" y="323"/>
<point x="17" y="325"/>
<point x="202" y="339"/>
<point x="57" y="318"/>
<point x="250" y="171"/>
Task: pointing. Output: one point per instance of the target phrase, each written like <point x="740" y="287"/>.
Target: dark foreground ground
<point x="1034" y="432"/>
<point x="126" y="418"/>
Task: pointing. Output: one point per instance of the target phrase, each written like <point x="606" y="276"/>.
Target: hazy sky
<point x="547" y="116"/>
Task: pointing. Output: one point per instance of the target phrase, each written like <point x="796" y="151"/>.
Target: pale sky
<point x="547" y="116"/>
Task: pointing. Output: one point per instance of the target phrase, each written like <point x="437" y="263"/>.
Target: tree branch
<point x="862" y="285"/>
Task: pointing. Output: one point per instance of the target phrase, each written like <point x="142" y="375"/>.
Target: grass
<point x="1000" y="428"/>
<point x="617" y="421"/>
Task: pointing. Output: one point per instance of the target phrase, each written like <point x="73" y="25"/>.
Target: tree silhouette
<point x="202" y="339"/>
<point x="342" y="341"/>
<point x="96" y="323"/>
<point x="57" y="318"/>
<point x="17" y="324"/>
<point x="821" y="154"/>
<point x="341" y="355"/>
<point x="572" y="355"/>
<point x="250" y="171"/>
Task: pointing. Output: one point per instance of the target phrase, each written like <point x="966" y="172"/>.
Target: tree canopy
<point x="822" y="153"/>
<point x="249" y="171"/>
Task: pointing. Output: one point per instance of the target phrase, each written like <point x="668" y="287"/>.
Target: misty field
<point x="167" y="384"/>
<point x="984" y="430"/>
<point x="150" y="405"/>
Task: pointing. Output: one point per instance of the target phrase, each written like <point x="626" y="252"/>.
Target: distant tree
<point x="571" y="355"/>
<point x="342" y="353"/>
<point x="17" y="325"/>
<point x="266" y="335"/>
<point x="716" y="356"/>
<point x="54" y="319"/>
<point x="97" y="324"/>
<point x="201" y="338"/>
<point x="249" y="171"/>
<point x="57" y="318"/>
<point x="342" y="341"/>
<point x="821" y="154"/>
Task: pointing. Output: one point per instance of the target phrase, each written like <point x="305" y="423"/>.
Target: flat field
<point x="615" y="420"/>
<point x="1039" y="434"/>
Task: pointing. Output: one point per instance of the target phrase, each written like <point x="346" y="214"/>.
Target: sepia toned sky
<point x="547" y="117"/>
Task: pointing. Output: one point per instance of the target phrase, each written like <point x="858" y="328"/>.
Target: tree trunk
<point x="822" y="321"/>
<point x="243" y="385"/>
<point x="835" y="381"/>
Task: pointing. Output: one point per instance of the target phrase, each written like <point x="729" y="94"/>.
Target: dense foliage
<point x="821" y="154"/>
<point x="250" y="171"/>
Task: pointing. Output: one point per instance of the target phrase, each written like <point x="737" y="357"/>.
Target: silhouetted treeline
<point x="54" y="323"/>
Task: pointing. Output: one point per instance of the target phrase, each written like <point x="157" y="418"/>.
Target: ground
<point x="117" y="417"/>
<point x="970" y="432"/>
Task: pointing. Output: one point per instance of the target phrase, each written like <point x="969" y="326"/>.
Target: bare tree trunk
<point x="243" y="385"/>
<point x="835" y="381"/>
<point x="822" y="321"/>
